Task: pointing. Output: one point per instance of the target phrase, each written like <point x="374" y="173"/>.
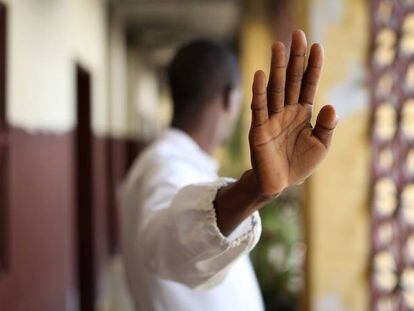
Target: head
<point x="205" y="87"/>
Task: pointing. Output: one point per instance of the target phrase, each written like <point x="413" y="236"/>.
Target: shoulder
<point x="161" y="163"/>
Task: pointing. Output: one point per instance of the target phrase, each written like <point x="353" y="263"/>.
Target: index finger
<point x="277" y="79"/>
<point x="259" y="100"/>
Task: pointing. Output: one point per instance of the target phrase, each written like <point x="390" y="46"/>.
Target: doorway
<point x="84" y="192"/>
<point x="4" y="143"/>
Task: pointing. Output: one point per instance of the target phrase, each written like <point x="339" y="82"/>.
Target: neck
<point x="203" y="132"/>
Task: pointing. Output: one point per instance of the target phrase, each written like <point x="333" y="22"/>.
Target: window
<point x="392" y="137"/>
<point x="3" y="142"/>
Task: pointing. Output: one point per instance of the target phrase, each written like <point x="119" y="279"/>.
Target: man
<point x="186" y="232"/>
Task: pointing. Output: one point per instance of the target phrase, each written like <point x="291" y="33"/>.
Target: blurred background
<point x="83" y="91"/>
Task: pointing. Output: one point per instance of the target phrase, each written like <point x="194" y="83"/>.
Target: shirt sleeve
<point x="183" y="243"/>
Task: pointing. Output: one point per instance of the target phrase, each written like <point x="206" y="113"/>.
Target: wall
<point x="46" y="40"/>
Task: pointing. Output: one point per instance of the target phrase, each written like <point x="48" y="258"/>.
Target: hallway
<point x="83" y="90"/>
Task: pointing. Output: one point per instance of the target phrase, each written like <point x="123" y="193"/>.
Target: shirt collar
<point x="188" y="145"/>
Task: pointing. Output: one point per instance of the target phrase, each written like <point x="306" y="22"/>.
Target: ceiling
<point x="160" y="25"/>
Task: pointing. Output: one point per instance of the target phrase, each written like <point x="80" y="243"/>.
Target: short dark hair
<point x="200" y="70"/>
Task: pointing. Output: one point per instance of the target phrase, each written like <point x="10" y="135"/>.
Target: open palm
<point x="285" y="148"/>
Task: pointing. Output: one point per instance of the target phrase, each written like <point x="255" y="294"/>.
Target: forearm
<point x="183" y="243"/>
<point x="237" y="201"/>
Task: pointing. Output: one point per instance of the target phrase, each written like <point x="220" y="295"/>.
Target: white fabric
<point x="175" y="255"/>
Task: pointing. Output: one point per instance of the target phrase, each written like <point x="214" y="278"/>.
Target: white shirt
<point x="175" y="255"/>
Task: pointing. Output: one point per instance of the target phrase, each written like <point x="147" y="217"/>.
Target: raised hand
<point x="285" y="148"/>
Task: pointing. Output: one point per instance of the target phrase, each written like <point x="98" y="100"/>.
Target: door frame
<point x="84" y="220"/>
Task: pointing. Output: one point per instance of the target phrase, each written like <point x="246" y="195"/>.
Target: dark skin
<point x="284" y="146"/>
<point x="203" y="128"/>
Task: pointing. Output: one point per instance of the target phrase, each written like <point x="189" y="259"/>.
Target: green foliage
<point x="278" y="257"/>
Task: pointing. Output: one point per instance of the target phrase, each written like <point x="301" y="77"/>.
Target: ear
<point x="227" y="100"/>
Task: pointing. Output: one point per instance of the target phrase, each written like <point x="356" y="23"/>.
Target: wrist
<point x="237" y="201"/>
<point x="249" y="184"/>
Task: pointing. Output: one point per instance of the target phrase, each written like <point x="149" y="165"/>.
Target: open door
<point x="84" y="193"/>
<point x="4" y="144"/>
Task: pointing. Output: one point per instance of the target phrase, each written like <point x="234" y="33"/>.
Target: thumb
<point x="325" y="124"/>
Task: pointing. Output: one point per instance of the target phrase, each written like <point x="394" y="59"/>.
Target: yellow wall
<point x="336" y="200"/>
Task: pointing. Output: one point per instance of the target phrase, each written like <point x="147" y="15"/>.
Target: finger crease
<point x="259" y="93"/>
<point x="310" y="66"/>
<point x="274" y="111"/>
<point x="277" y="90"/>
<point x="298" y="55"/>
<point x="306" y="102"/>
<point x="326" y="128"/>
<point x="257" y="108"/>
<point x="308" y="82"/>
<point x="260" y="124"/>
<point x="296" y="79"/>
